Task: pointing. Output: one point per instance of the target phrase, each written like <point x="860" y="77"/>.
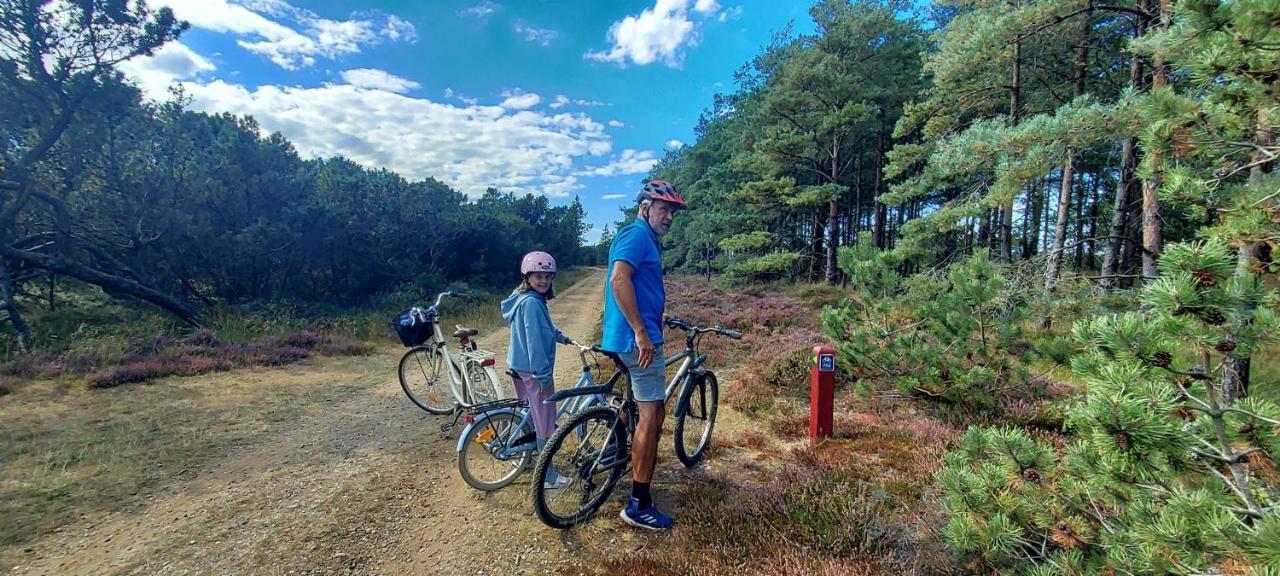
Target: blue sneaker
<point x="650" y="518"/>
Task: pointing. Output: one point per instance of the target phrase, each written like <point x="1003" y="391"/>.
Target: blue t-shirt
<point x="637" y="245"/>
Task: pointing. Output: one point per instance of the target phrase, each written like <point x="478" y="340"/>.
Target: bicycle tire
<point x="579" y="466"/>
<point x="476" y="452"/>
<point x="699" y="401"/>
<point x="477" y="390"/>
<point x="423" y="368"/>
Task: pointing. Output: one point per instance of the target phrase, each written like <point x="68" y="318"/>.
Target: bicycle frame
<point x="570" y="406"/>
<point x="459" y="377"/>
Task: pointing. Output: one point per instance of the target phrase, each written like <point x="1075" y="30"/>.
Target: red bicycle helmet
<point x="661" y="190"/>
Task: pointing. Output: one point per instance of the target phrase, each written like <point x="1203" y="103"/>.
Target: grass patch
<point x="69" y="452"/>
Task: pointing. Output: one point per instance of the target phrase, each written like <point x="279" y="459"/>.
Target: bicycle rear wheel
<point x="482" y="384"/>
<point x="591" y="461"/>
<point x="696" y="418"/>
<point x="479" y="463"/>
<point x="425" y="380"/>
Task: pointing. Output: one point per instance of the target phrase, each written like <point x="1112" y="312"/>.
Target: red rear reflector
<point x="471" y="419"/>
<point x="488" y="362"/>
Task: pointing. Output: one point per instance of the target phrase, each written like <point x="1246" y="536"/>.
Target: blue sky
<point x="555" y="98"/>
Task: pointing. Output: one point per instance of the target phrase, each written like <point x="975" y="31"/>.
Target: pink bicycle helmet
<point x="537" y="262"/>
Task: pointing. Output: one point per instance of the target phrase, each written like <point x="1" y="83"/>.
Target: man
<point x="634" y="298"/>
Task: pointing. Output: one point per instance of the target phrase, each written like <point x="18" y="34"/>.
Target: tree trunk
<point x="1015" y="108"/>
<point x="1128" y="178"/>
<point x="1237" y="368"/>
<point x="106" y="281"/>
<point x="9" y="306"/>
<point x="1031" y="246"/>
<point x="833" y="239"/>
<point x="1151" y="237"/>
<point x="1060" y="227"/>
<point x="877" y="232"/>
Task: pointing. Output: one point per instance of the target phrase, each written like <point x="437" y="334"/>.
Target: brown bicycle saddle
<point x="464" y="332"/>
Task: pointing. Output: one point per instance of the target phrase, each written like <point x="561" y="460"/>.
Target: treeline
<point x="991" y="177"/>
<point x="1014" y="128"/>
<point x="185" y="209"/>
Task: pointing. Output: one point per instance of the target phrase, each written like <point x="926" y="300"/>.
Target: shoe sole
<point x="628" y="520"/>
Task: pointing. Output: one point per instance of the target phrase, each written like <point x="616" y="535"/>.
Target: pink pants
<point x="544" y="415"/>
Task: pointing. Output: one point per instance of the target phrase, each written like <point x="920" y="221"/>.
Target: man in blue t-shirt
<point x="634" y="299"/>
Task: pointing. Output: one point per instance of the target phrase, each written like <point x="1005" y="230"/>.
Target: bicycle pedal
<point x="446" y="428"/>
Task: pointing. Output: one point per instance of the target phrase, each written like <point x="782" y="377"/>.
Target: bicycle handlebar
<point x="674" y="322"/>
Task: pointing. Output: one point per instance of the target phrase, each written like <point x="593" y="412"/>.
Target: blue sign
<point x="827" y="363"/>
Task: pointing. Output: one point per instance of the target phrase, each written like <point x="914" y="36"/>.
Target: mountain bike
<point x="440" y="381"/>
<point x="592" y="448"/>
<point x="499" y="440"/>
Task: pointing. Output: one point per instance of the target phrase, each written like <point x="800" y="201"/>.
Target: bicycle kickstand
<point x="447" y="427"/>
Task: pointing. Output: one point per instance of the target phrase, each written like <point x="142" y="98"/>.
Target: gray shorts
<point x="647" y="384"/>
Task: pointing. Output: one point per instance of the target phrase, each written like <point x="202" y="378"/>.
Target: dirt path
<point x="366" y="485"/>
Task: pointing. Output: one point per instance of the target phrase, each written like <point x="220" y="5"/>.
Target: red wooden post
<point x="822" y="373"/>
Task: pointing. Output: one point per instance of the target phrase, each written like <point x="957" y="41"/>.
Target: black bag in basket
<point x="412" y="327"/>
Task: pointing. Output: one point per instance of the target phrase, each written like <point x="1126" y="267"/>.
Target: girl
<point x="532" y="353"/>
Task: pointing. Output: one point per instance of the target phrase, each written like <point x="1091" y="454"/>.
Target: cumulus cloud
<point x="469" y="147"/>
<point x="673" y="144"/>
<point x="171" y="63"/>
<point x="656" y="34"/>
<point x="616" y="124"/>
<point x="543" y="36"/>
<point x="520" y="100"/>
<point x="289" y="36"/>
<point x="378" y="80"/>
<point x="613" y="196"/>
<point x="730" y="14"/>
<point x="630" y="162"/>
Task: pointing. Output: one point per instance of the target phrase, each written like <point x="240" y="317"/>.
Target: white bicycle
<point x="440" y="381"/>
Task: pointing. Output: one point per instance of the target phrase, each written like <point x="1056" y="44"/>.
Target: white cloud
<point x="561" y="100"/>
<point x="616" y="124"/>
<point x="417" y="137"/>
<point x="543" y="36"/>
<point x="295" y="45"/>
<point x="656" y="34"/>
<point x="171" y="63"/>
<point x="450" y="94"/>
<point x="731" y="14"/>
<point x="520" y="100"/>
<point x="630" y="162"/>
<point x="673" y="144"/>
<point x="374" y="79"/>
<point x="481" y="10"/>
<point x="613" y="196"/>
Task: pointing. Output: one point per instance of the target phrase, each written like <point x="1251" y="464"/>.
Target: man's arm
<point x="624" y="294"/>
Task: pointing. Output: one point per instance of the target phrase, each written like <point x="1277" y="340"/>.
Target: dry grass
<point x="855" y="504"/>
<point x="70" y="453"/>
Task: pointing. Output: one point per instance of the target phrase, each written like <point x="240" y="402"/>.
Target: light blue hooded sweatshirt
<point x="533" y="336"/>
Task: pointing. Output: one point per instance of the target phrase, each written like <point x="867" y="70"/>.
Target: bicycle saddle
<point x="464" y="332"/>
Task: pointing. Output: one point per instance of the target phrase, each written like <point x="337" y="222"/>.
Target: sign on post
<point x="822" y="372"/>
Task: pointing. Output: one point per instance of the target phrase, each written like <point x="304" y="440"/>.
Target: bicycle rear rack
<point x="478" y="409"/>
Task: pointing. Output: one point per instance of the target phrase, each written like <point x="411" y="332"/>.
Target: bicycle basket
<point x="412" y="327"/>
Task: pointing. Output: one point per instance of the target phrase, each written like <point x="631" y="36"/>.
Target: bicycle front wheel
<point x="425" y="380"/>
<point x="481" y="462"/>
<point x="587" y="467"/>
<point x="696" y="417"/>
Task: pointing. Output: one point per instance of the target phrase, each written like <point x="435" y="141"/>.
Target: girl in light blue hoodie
<point x="532" y="353"/>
